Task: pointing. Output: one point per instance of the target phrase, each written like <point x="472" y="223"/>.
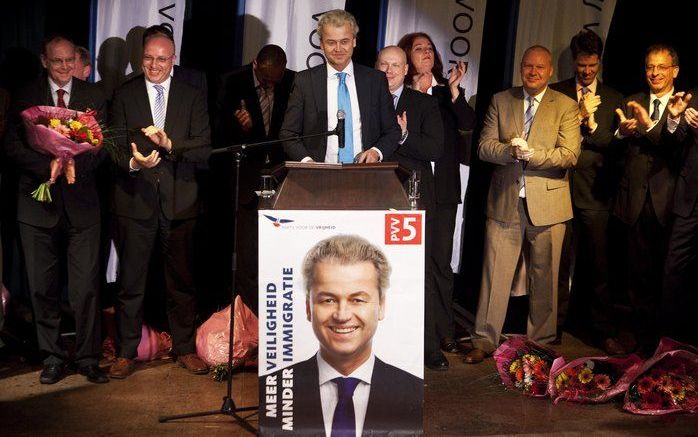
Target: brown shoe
<point x="475" y="356"/>
<point x="122" y="368"/>
<point x="613" y="347"/>
<point x="193" y="363"/>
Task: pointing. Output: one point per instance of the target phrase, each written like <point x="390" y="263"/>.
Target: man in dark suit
<point x="646" y="189"/>
<point x="69" y="226"/>
<point x="591" y="185"/>
<point x="678" y="311"/>
<point x="422" y="141"/>
<point x="165" y="135"/>
<point x="345" y="389"/>
<point x="371" y="132"/>
<point x="252" y="107"/>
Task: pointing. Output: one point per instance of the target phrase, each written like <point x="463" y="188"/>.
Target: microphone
<point x="339" y="130"/>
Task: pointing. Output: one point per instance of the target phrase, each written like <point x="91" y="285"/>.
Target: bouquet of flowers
<point x="666" y="382"/>
<point x="593" y="379"/>
<point x="524" y="365"/>
<point x="213" y="336"/>
<point x="62" y="133"/>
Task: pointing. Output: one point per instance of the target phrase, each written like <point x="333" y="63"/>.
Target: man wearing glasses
<point x="162" y="130"/>
<point x="66" y="228"/>
<point x="645" y="192"/>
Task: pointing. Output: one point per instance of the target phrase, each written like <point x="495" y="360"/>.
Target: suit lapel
<point x="143" y="104"/>
<point x="319" y="87"/>
<point x="402" y="101"/>
<point x="173" y="105"/>
<point x="543" y="114"/>
<point x="363" y="93"/>
<point x="516" y="108"/>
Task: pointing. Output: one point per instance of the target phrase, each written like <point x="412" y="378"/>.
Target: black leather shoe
<point x="52" y="373"/>
<point x="437" y="362"/>
<point x="93" y="374"/>
<point x="450" y="346"/>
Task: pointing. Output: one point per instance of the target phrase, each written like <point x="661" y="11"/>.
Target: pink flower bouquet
<point x="524" y="365"/>
<point x="62" y="133"/>
<point x="666" y="383"/>
<point x="213" y="336"/>
<point x="592" y="379"/>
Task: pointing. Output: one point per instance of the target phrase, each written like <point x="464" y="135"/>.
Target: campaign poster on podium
<point x="341" y="317"/>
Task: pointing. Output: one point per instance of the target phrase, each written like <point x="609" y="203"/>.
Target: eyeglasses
<point x="660" y="68"/>
<point x="160" y="59"/>
<point x="57" y="62"/>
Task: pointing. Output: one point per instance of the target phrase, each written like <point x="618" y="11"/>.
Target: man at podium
<point x="356" y="93"/>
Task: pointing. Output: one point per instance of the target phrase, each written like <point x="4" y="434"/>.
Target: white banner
<point x="553" y="24"/>
<point x="289" y="341"/>
<point x="289" y="24"/>
<point x="456" y="27"/>
<point x="119" y="32"/>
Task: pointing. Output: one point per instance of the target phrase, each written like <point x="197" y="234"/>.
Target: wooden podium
<point x="320" y="186"/>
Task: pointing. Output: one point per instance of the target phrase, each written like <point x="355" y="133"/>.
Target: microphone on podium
<point x="339" y="130"/>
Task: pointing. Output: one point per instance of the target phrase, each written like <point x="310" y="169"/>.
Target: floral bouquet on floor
<point x="592" y="379"/>
<point x="524" y="365"/>
<point x="62" y="133"/>
<point x="213" y="339"/>
<point x="666" y="383"/>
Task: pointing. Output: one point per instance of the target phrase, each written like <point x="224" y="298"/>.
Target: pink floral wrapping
<point x="592" y="379"/>
<point x="49" y="141"/>
<point x="60" y="141"/>
<point x="4" y="299"/>
<point x="666" y="383"/>
<point x="153" y="345"/>
<point x="524" y="365"/>
<point x="213" y="336"/>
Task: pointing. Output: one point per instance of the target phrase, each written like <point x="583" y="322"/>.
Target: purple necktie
<point x="343" y="422"/>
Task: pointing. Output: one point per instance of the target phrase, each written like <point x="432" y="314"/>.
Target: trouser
<point x="503" y="245"/>
<point x="44" y="251"/>
<point x="135" y="241"/>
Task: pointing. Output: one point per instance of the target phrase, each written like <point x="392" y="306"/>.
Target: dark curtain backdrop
<point x="213" y="32"/>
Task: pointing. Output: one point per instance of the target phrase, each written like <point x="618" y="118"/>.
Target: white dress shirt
<point x="536" y="103"/>
<point x="329" y="395"/>
<point x="152" y="93"/>
<point x="54" y="91"/>
<point x="663" y="101"/>
<point x="332" y="152"/>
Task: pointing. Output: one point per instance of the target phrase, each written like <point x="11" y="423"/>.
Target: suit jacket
<point x="193" y="77"/>
<point x="593" y="179"/>
<point x="425" y="139"/>
<point x="457" y="117"/>
<point x="307" y="113"/>
<point x="686" y="137"/>
<point x="555" y="137"/>
<point x="239" y="85"/>
<point x="650" y="164"/>
<point x="78" y="202"/>
<point x="394" y="405"/>
<point x="172" y="184"/>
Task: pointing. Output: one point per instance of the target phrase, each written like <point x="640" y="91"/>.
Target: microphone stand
<point x="228" y="408"/>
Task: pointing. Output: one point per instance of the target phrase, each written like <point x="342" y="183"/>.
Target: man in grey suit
<point x="532" y="134"/>
<point x="319" y="93"/>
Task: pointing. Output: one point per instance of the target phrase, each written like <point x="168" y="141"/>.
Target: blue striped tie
<point x="528" y="116"/>
<point x="159" y="109"/>
<point x="346" y="155"/>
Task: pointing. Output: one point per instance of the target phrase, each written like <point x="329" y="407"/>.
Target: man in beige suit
<point x="532" y="134"/>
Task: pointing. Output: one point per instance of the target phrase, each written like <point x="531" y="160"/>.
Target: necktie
<point x="395" y="100"/>
<point x="346" y="155"/>
<point x="59" y="101"/>
<point x="585" y="91"/>
<point x="265" y="106"/>
<point x="655" y="111"/>
<point x="528" y="116"/>
<point x="159" y="108"/>
<point x="343" y="421"/>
